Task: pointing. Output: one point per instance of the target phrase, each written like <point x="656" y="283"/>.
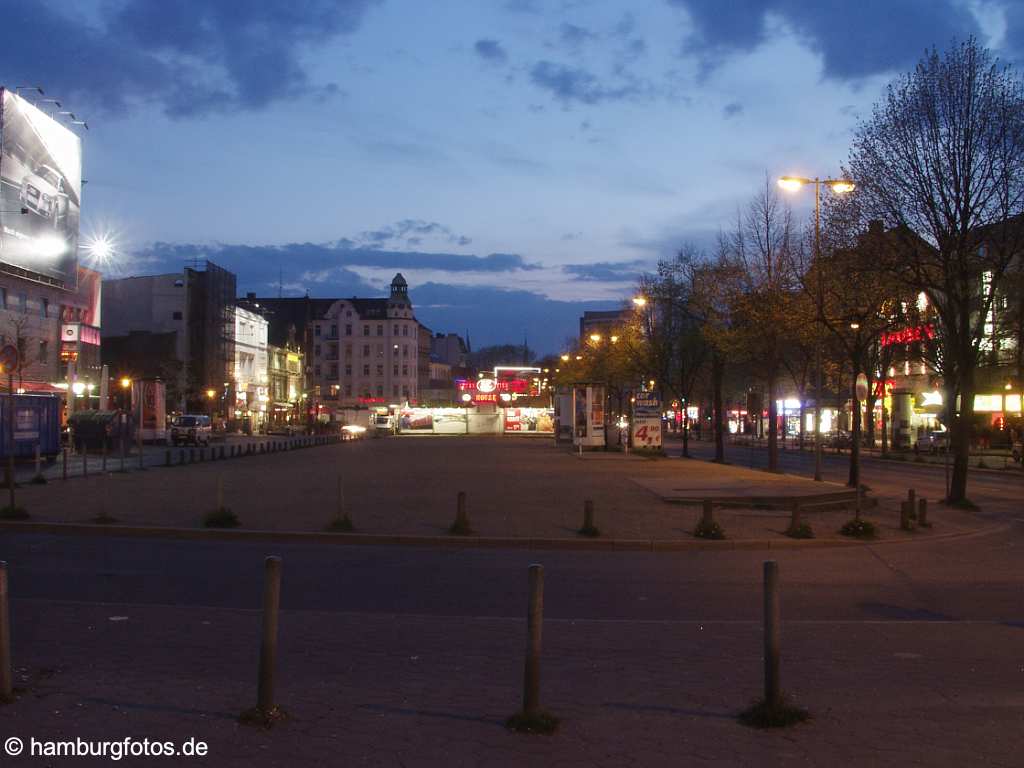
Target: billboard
<point x="40" y="191"/>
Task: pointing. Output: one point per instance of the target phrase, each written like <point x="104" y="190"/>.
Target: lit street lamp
<point x="838" y="187"/>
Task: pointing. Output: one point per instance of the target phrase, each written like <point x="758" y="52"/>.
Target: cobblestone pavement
<point x="516" y="487"/>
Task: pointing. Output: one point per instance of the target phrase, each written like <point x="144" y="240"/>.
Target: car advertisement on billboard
<point x="40" y="191"/>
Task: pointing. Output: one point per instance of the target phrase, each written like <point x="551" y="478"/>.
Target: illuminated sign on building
<point x="908" y="335"/>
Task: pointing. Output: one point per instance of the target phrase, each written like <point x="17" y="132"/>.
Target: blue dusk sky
<point x="517" y="160"/>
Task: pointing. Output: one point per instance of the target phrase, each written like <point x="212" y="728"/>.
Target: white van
<point x="190" y="429"/>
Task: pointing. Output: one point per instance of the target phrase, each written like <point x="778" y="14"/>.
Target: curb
<point x="463" y="542"/>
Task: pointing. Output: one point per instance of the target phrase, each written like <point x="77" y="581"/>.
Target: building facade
<point x="251" y="375"/>
<point x="287" y="386"/>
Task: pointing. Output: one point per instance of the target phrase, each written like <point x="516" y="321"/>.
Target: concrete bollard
<point x="222" y="452"/>
<point x="103" y="462"/>
<point x="772" y="689"/>
<point x="181" y="456"/>
<point x="6" y="675"/>
<point x="64" y="463"/>
<point x="912" y="502"/>
<point x="707" y="515"/>
<point x="191" y="455"/>
<point x="461" y="525"/>
<point x="534" y="626"/>
<point x="167" y="458"/>
<point x="85" y="461"/>
<point x="268" y="647"/>
<point x="588" y="515"/>
<point x="922" y="513"/>
<point x="906" y="523"/>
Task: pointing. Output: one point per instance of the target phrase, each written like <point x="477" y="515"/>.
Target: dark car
<point x="933" y="442"/>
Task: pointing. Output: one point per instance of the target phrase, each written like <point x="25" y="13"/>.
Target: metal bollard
<point x="460" y="509"/>
<point x="912" y="502"/>
<point x="6" y="677"/>
<point x="268" y="648"/>
<point x="181" y="456"/>
<point x="588" y="515"/>
<point x="534" y="625"/>
<point x="103" y="463"/>
<point x="64" y="463"/>
<point x="772" y="690"/>
<point x="794" y="520"/>
<point x="707" y="516"/>
<point x="922" y="513"/>
<point x="85" y="461"/>
<point x="167" y="458"/>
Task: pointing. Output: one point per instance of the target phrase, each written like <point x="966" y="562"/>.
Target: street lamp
<point x="595" y="337"/>
<point x="838" y="187"/>
<point x="640" y="301"/>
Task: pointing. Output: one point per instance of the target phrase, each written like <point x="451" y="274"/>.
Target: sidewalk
<point x="386" y="690"/>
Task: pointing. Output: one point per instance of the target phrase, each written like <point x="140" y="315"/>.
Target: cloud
<point x="855" y="40"/>
<point x="574" y="84"/>
<point x="490" y="51"/>
<point x="191" y="57"/>
<point x="405" y="229"/>
<point x="732" y="109"/>
<point x="574" y="36"/>
<point x="607" y="271"/>
<point x="261" y="264"/>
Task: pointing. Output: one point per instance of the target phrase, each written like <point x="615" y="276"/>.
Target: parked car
<point x="285" y="429"/>
<point x="838" y="439"/>
<point x="190" y="429"/>
<point x="933" y="442"/>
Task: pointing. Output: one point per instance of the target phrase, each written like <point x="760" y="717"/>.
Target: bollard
<point x="103" y="464"/>
<point x="123" y="454"/>
<point x="6" y="678"/>
<point x="906" y="523"/>
<point x="534" y="625"/>
<point x="707" y="516"/>
<point x="181" y="456"/>
<point x="771" y="634"/>
<point x="191" y="455"/>
<point x="794" y="520"/>
<point x="922" y="513"/>
<point x="141" y="456"/>
<point x="268" y="648"/>
<point x="64" y="463"/>
<point x="588" y="515"/>
<point x="202" y="455"/>
<point x="460" y="510"/>
<point x="39" y="464"/>
<point x="85" y="461"/>
<point x="167" y="458"/>
<point x="222" y="452"/>
<point x="912" y="503"/>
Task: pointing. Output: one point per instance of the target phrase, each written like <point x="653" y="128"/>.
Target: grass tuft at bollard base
<point x="589" y="530"/>
<point x="536" y="722"/>
<point x="105" y="519"/>
<point x="38" y="480"/>
<point x="802" y="530"/>
<point x="341" y="524"/>
<point x="709" y="531"/>
<point x="782" y="714"/>
<point x="13" y="513"/>
<point x="859" y="528"/>
<point x="460" y="528"/>
<point x="264" y="720"/>
<point x="221" y="518"/>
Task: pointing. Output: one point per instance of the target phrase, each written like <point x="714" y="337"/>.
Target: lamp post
<point x="838" y="187"/>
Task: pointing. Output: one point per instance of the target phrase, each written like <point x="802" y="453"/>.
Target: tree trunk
<point x="961" y="438"/>
<point x="885" y="430"/>
<point x="773" y="427"/>
<point x="855" y="433"/>
<point x="803" y="418"/>
<point x="717" y="376"/>
<point x="686" y="430"/>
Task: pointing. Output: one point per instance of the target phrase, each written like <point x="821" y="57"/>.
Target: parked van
<point x="190" y="429"/>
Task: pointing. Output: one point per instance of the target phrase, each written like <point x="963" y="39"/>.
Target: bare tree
<point x="942" y="159"/>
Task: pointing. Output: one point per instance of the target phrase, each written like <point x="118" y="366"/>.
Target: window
<point x="316" y="351"/>
<point x="405" y="390"/>
<point x="394" y="390"/>
<point x="394" y="372"/>
<point x="176" y="315"/>
<point x="405" y="350"/>
<point x="348" y="313"/>
<point x="366" y="330"/>
<point x="316" y="370"/>
<point x="380" y="350"/>
<point x="333" y="376"/>
<point x="348" y="329"/>
<point x="348" y="369"/>
<point x="43" y="349"/>
<point x="348" y="390"/>
<point x="366" y="350"/>
<point x="348" y="350"/>
<point x="316" y="330"/>
<point x="380" y="329"/>
<point x="334" y="331"/>
<point x="405" y="370"/>
<point x="396" y="331"/>
<point x="23" y="299"/>
<point x="405" y="330"/>
<point x="366" y="370"/>
<point x="44" y="307"/>
<point x="380" y="370"/>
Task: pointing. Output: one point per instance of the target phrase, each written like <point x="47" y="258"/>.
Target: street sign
<point x="862" y="387"/>
<point x="9" y="358"/>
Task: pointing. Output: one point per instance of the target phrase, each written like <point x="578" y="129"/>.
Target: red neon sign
<point x="908" y="335"/>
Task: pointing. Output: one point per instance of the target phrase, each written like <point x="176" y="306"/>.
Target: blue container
<point x="36" y="422"/>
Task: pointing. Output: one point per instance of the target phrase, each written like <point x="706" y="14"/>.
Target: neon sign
<point x="908" y="335"/>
